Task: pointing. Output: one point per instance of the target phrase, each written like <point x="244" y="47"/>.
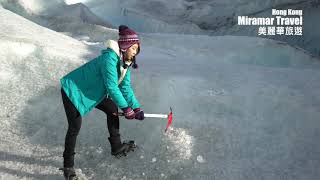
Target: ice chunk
<point x="154" y="159"/>
<point x="99" y="150"/>
<point x="200" y="159"/>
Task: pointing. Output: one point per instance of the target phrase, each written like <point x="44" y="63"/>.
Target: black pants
<point x="74" y="125"/>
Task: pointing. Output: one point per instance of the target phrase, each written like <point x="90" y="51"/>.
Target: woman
<point x="102" y="83"/>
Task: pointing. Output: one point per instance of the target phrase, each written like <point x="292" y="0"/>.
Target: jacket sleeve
<point x="110" y="78"/>
<point x="126" y="89"/>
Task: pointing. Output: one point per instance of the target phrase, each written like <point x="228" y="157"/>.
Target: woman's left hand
<point x="139" y="114"/>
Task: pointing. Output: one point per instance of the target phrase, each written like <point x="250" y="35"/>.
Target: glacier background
<point x="244" y="107"/>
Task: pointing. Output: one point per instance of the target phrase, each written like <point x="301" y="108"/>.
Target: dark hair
<point x="134" y="65"/>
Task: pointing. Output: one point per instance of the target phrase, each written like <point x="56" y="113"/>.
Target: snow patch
<point x="6" y="75"/>
<point x="181" y="141"/>
<point x="20" y="49"/>
<point x="69" y="2"/>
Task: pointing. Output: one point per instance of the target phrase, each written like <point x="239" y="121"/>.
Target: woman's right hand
<point x="128" y="113"/>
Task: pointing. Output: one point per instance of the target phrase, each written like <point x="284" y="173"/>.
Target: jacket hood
<point x="112" y="44"/>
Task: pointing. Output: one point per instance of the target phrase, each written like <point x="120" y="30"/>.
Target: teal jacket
<point x="89" y="84"/>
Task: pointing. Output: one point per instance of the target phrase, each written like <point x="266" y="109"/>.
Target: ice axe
<point x="161" y="116"/>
